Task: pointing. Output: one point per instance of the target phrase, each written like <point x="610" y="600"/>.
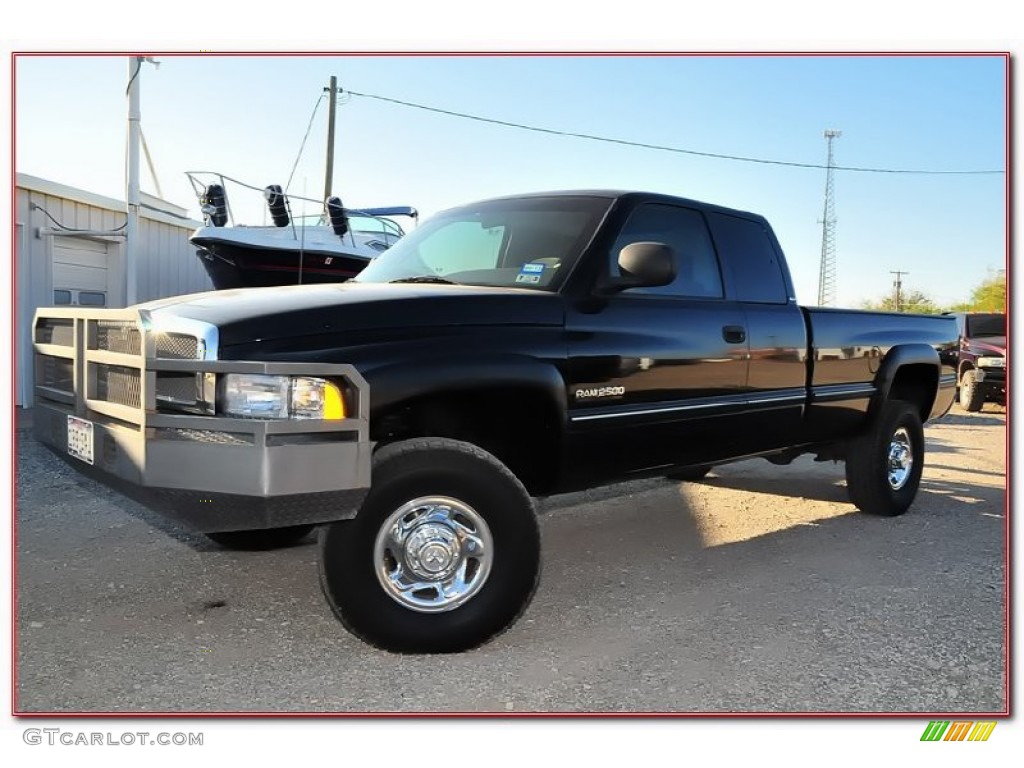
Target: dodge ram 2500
<point x="505" y="350"/>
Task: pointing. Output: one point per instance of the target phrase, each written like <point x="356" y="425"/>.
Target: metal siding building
<point x="57" y="266"/>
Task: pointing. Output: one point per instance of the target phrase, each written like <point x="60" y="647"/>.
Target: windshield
<point x="519" y="242"/>
<point x="357" y="223"/>
<point x="986" y="325"/>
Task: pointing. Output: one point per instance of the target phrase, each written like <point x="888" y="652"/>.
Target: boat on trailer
<point x="329" y="247"/>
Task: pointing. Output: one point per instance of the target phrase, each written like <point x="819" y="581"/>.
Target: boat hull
<point x="231" y="265"/>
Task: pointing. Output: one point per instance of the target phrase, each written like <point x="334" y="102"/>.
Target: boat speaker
<point x="278" y="205"/>
<point x="214" y="205"/>
<point x="336" y="213"/>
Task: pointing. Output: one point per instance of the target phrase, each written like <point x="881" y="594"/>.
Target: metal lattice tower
<point x="827" y="275"/>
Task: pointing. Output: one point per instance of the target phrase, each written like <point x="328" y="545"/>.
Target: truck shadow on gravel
<point x="968" y="497"/>
<point x="934" y="444"/>
<point x="827" y="482"/>
<point x="963" y="419"/>
<point x="972" y="470"/>
<point x="742" y="606"/>
<point x="790" y="484"/>
<point x="141" y="508"/>
<point x="42" y="471"/>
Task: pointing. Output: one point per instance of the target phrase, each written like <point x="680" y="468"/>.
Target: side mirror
<point x="644" y="265"/>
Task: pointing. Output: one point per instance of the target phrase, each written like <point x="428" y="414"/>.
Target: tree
<point x="990" y="296"/>
<point x="913" y="302"/>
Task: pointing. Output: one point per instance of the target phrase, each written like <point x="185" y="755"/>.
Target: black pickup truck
<point x="505" y="350"/>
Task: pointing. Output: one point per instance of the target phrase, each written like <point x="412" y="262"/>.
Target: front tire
<point x="443" y="555"/>
<point x="884" y="465"/>
<point x="972" y="397"/>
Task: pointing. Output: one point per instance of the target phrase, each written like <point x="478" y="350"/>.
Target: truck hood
<point x="260" y="314"/>
<point x="986" y="344"/>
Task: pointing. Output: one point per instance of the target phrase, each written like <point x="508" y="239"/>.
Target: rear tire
<point x="269" y="538"/>
<point x="443" y="555"/>
<point x="883" y="465"/>
<point x="972" y="397"/>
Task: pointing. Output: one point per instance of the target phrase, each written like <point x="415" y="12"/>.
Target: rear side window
<point x="746" y="248"/>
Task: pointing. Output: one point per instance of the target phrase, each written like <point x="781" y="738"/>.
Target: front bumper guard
<point x="212" y="472"/>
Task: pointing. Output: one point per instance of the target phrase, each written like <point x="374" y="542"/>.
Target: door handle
<point x="734" y="334"/>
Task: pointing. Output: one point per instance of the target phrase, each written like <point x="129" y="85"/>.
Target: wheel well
<point x="917" y="383"/>
<point x="521" y="427"/>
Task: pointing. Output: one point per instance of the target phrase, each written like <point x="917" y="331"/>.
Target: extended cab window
<point x="745" y="246"/>
<point x="684" y="231"/>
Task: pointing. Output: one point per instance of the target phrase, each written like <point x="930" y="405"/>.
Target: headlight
<point x="991" y="362"/>
<point x="259" y="396"/>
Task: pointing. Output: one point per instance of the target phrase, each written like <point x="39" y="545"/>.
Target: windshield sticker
<point x="530" y="273"/>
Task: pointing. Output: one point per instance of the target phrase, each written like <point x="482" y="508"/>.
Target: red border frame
<point x="502" y="715"/>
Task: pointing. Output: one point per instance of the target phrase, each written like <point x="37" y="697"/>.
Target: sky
<point x="246" y="117"/>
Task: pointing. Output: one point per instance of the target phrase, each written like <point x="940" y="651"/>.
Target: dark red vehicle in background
<point x="980" y="358"/>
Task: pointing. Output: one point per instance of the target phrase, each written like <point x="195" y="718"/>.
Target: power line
<point x="135" y="74"/>
<point x="302" y="146"/>
<point x="46" y="213"/>
<point x="659" y="147"/>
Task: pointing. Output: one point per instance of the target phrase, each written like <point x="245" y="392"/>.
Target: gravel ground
<point x="760" y="590"/>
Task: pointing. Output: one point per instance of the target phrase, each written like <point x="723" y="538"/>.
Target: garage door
<point x="81" y="271"/>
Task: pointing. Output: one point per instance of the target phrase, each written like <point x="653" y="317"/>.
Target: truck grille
<point x="118" y="336"/>
<point x="125" y="338"/>
<point x="123" y="365"/>
<point x="180" y="388"/>
<point x="185" y="392"/>
<point x="53" y="330"/>
<point x="177" y="346"/>
<point x="56" y="372"/>
<point x="117" y="384"/>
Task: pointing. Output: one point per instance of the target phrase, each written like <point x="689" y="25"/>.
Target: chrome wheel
<point x="901" y="459"/>
<point x="433" y="554"/>
<point x="966" y="390"/>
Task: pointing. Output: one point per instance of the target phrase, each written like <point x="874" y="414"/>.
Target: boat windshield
<point x="529" y="242"/>
<point x="371" y="225"/>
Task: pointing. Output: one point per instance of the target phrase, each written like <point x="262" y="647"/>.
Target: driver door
<point x="656" y="376"/>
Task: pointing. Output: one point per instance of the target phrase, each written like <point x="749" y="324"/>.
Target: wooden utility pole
<point x="898" y="284"/>
<point x="332" y="95"/>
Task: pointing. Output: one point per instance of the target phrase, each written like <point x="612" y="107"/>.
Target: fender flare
<point x="896" y="358"/>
